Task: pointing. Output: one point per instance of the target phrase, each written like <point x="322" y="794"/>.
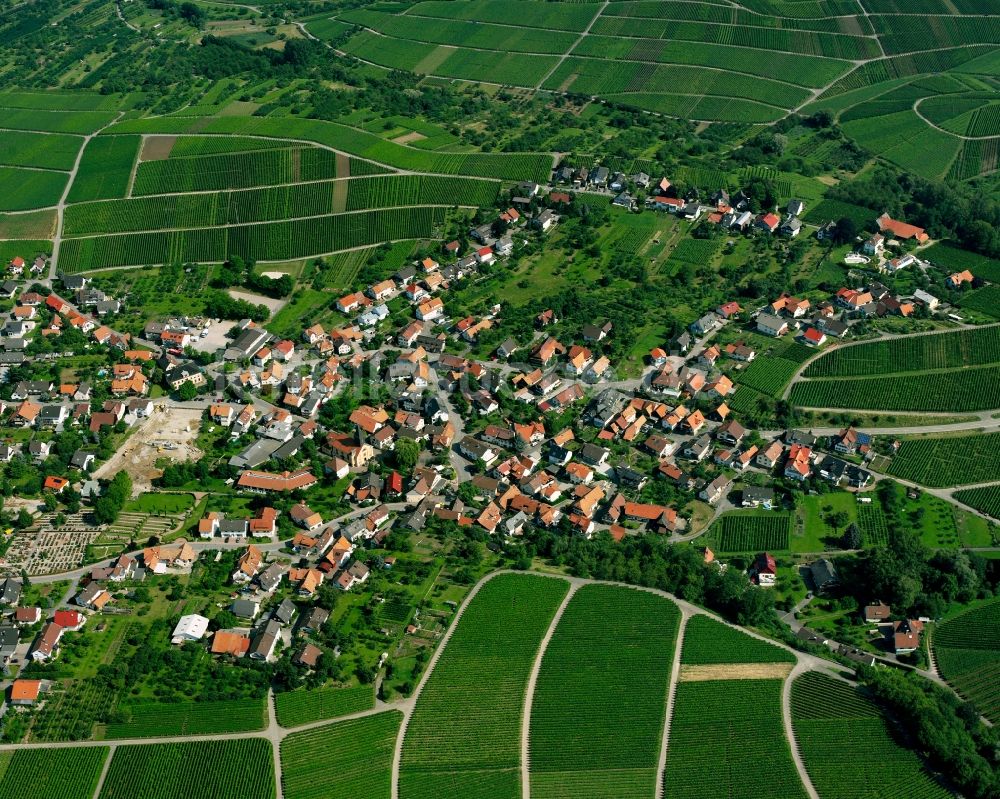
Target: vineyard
<point x="105" y="169"/>
<point x="240" y="768"/>
<point x="235" y="170"/>
<point x="769" y="374"/>
<point x="604" y="742"/>
<point x="722" y="734"/>
<point x="161" y="719"/>
<point x="951" y="257"/>
<point x="463" y="737"/>
<point x="871" y="521"/>
<point x="985" y="499"/>
<point x="70" y="773"/>
<point x="350" y="759"/>
<point x="35" y="188"/>
<point x="985" y="300"/>
<point x="753" y="531"/>
<point x="708" y="642"/>
<point x="959" y="390"/>
<point x="295" y="708"/>
<point x="939" y="462"/>
<point x="848" y="749"/>
<point x="266" y="241"/>
<point x="974" y="347"/>
<point x="505" y="166"/>
<point x="967" y="651"/>
<point x="38" y="150"/>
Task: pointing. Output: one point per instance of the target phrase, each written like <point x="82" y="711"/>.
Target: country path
<point x="61" y="205"/>
<point x="675" y="671"/>
<point x="786" y="718"/>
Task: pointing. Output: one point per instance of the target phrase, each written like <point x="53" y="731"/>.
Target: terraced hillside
<point x="874" y="62"/>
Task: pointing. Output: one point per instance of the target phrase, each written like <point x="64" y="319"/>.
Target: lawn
<point x="158" y="504"/>
<point x="815" y="517"/>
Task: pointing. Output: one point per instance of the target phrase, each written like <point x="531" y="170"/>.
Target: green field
<point x="752" y="531"/>
<point x="275" y="203"/>
<point x="958" y="390"/>
<point x="707" y="641"/>
<point x="849" y="749"/>
<point x="273" y="241"/>
<point x="721" y="734"/>
<point x="464" y="736"/>
<point x="956" y="460"/>
<point x="30" y="188"/>
<point x="985" y="499"/>
<point x="506" y="166"/>
<point x="295" y="708"/>
<point x="350" y="759"/>
<point x="45" y="151"/>
<point x="161" y="719"/>
<point x="70" y="773"/>
<point x="240" y="768"/>
<point x="105" y="169"/>
<point x="603" y="742"/>
<point x="960" y="348"/>
<point x="967" y="651"/>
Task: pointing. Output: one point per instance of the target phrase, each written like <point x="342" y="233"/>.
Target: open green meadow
<point x="967" y="651"/>
<point x="295" y="708"/>
<point x="708" y="642"/>
<point x="464" y="736"/>
<point x="721" y="734"/>
<point x="240" y="768"/>
<point x="848" y="747"/>
<point x="350" y="758"/>
<point x="603" y="742"/>
<point x="949" y="461"/>
<point x="70" y="773"/>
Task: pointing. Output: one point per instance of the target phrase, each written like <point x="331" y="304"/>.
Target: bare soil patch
<point x="735" y="671"/>
<point x="272" y="304"/>
<point x="406" y="138"/>
<point x="169" y="433"/>
<point x="157" y="148"/>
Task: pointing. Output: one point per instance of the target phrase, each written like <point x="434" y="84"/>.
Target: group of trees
<point x="113" y="498"/>
<point x="221" y="305"/>
<point x="237" y="272"/>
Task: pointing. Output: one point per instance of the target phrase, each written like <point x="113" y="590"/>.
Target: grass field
<point x="463" y="738"/>
<point x="844" y="741"/>
<point x="707" y="641"/>
<point x="721" y="733"/>
<point x="70" y="773"/>
<point x="956" y="460"/>
<point x="241" y="768"/>
<point x="351" y="759"/>
<point x="295" y="708"/>
<point x="967" y="650"/>
<point x="604" y="742"/>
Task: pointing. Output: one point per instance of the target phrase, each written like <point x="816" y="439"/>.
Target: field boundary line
<point x="675" y="669"/>
<point x="529" y="693"/>
<point x="136" y="160"/>
<point x="104" y="770"/>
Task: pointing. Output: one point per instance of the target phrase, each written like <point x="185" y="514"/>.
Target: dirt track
<point x="735" y="671"/>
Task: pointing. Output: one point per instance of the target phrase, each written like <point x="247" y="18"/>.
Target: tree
<point x="847" y="230"/>
<point x="852" y="537"/>
<point x="407" y="453"/>
<point x="187" y="392"/>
